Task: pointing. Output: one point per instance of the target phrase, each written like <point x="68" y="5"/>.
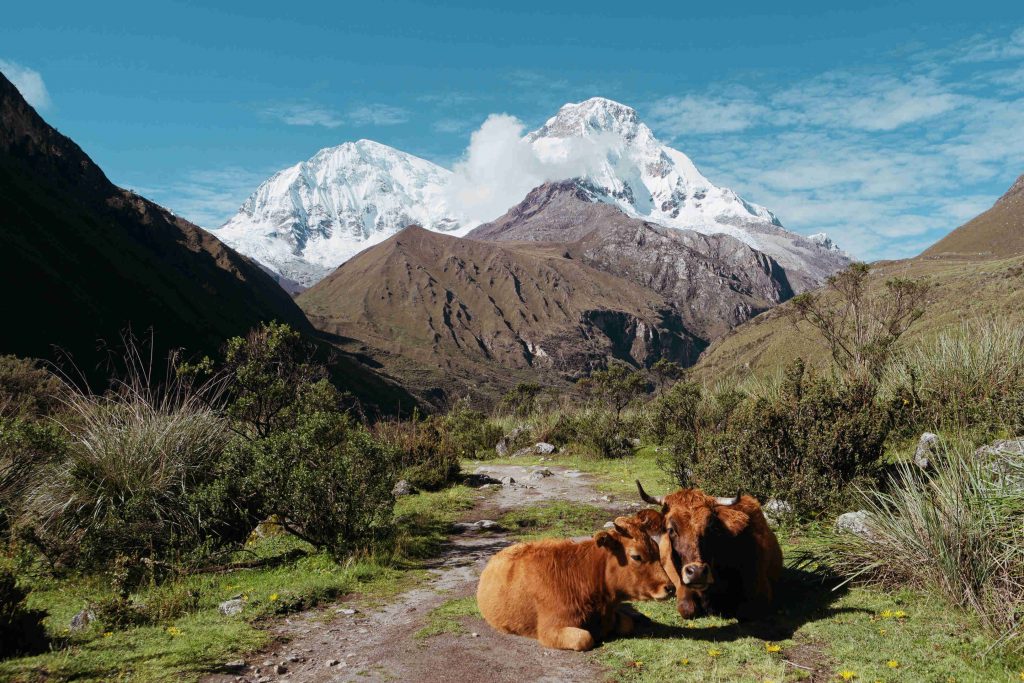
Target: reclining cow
<point x="719" y="552"/>
<point x="567" y="594"/>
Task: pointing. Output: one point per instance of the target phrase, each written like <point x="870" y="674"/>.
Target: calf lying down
<point x="567" y="594"/>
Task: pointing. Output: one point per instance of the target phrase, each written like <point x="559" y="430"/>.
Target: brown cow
<point x="720" y="553"/>
<point x="566" y="594"/>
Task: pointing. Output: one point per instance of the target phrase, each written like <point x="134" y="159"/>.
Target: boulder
<point x="927" y="445"/>
<point x="501" y="448"/>
<point x="544" y="448"/>
<point x="853" y="523"/>
<point x="403" y="488"/>
<point x="537" y="475"/>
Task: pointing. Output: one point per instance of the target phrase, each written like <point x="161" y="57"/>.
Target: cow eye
<point x="636" y="558"/>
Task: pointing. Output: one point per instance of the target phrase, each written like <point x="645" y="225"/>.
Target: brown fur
<point x="731" y="550"/>
<point x="566" y="594"/>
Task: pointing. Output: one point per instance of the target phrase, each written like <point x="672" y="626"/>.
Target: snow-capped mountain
<point x="307" y="219"/>
<point x="649" y="180"/>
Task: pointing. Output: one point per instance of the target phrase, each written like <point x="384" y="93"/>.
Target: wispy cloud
<point x="207" y="197"/>
<point x="29" y="83"/>
<point x="304" y="114"/>
<point x="886" y="160"/>
<point x="378" y="115"/>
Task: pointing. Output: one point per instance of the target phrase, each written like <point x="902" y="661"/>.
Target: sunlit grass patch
<point x="448" y="617"/>
<point x="558" y="519"/>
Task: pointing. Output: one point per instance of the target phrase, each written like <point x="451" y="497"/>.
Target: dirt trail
<point x="378" y="643"/>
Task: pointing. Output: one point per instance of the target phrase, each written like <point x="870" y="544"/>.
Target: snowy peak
<point x="596" y="115"/>
<point x="307" y="219"/>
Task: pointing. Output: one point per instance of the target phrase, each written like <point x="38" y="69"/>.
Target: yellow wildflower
<point x="273" y="597"/>
<point x="847" y="675"/>
<point x="881" y="631"/>
<point x="1022" y="675"/>
<point x="173" y="631"/>
<point x="637" y="664"/>
<point x="887" y="614"/>
<point x="684" y="661"/>
<point x="107" y="634"/>
<point x="892" y="664"/>
<point x="772" y="647"/>
<point x="714" y="652"/>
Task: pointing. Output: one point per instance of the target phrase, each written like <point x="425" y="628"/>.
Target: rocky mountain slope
<point x="82" y="260"/>
<point x="996" y="233"/>
<point x="714" y="281"/>
<point x="311" y="217"/>
<point x="480" y="315"/>
<point x="307" y="219"/>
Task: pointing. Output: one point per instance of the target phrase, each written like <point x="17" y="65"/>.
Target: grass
<point x="554" y="519"/>
<point x="447" y="618"/>
<point x="291" y="577"/>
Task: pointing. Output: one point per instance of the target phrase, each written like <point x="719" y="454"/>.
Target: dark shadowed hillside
<point x="81" y="260"/>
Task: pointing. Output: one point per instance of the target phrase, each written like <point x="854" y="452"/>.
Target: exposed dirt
<point x="379" y="643"/>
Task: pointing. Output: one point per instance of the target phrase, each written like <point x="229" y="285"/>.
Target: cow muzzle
<point x="697" y="576"/>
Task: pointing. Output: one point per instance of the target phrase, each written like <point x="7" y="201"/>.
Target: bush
<point x="27" y="390"/>
<point x="26" y="449"/>
<point x="122" y="486"/>
<point x="955" y="530"/>
<point x="807" y="445"/>
<point x="521" y="400"/>
<point x="21" y="629"/>
<point x="968" y="378"/>
<point x="469" y="431"/>
<point x="427" y="456"/>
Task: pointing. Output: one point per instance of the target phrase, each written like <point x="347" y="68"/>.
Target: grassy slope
<point x="202" y="639"/>
<point x="962" y="290"/>
<point x="857" y="630"/>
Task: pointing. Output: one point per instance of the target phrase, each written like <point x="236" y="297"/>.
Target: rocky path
<point x="363" y="642"/>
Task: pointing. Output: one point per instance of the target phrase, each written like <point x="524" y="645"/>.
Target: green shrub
<point x="21" y="629"/>
<point x="521" y="400"/>
<point x="27" y="448"/>
<point x="968" y="378"/>
<point x="807" y="444"/>
<point x="27" y="390"/>
<point x="469" y="431"/>
<point x="131" y="459"/>
<point x="955" y="529"/>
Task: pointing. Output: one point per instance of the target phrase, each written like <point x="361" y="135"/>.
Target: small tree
<point x="666" y="373"/>
<point x="616" y="387"/>
<point x="521" y="400"/>
<point x="862" y="325"/>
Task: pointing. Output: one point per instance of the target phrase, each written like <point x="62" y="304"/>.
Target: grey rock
<point x="463" y="527"/>
<point x="280" y="669"/>
<point x="508" y="481"/>
<point x="230" y="608"/>
<point x="479" y="480"/>
<point x="777" y="511"/>
<point x="348" y="611"/>
<point x="609" y="525"/>
<point x="924" y="456"/>
<point x="538" y="475"/>
<point x="487" y="524"/>
<point x="634" y="442"/>
<point x="403" y="488"/>
<point x="854" y="523"/>
<point x="235" y="664"/>
<point x="501" y="448"/>
<point x="82" y="619"/>
<point x="544" y="448"/>
<point x="333" y="662"/>
<point x="608" y="498"/>
<point x="521" y="452"/>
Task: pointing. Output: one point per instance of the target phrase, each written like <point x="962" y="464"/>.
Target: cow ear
<point x="734" y="521"/>
<point x="604" y="539"/>
<point x="651" y="521"/>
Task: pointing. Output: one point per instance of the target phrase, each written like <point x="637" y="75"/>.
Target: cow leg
<point x="566" y="638"/>
<point x="757" y="597"/>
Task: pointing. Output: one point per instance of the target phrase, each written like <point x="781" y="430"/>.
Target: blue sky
<point x="885" y="124"/>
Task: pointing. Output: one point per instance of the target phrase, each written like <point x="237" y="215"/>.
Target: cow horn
<point x="729" y="501"/>
<point x="644" y="496"/>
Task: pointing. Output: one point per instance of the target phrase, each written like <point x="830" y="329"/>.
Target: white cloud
<point x="988" y="49"/>
<point x="304" y="114"/>
<point x="499" y="167"/>
<point x="697" y="115"/>
<point x="207" y="197"/>
<point x="29" y="83"/>
<point x="378" y="115"/>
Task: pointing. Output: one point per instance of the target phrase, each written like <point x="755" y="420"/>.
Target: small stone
<point x="521" y="452"/>
<point x="268" y="662"/>
<point x="608" y="498"/>
<point x="349" y="611"/>
<point x="230" y="608"/>
<point x="463" y="527"/>
<point x="333" y="662"/>
<point x="501" y="448"/>
<point x="609" y="525"/>
<point x="544" y="448"/>
<point x="280" y="669"/>
<point x="82" y="619"/>
<point x="634" y="442"/>
<point x="474" y="635"/>
<point x="488" y="524"/>
<point x="927" y="445"/>
<point x="235" y="664"/>
<point x="854" y="522"/>
<point x="538" y="475"/>
<point x="403" y="488"/>
<point x="508" y="481"/>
